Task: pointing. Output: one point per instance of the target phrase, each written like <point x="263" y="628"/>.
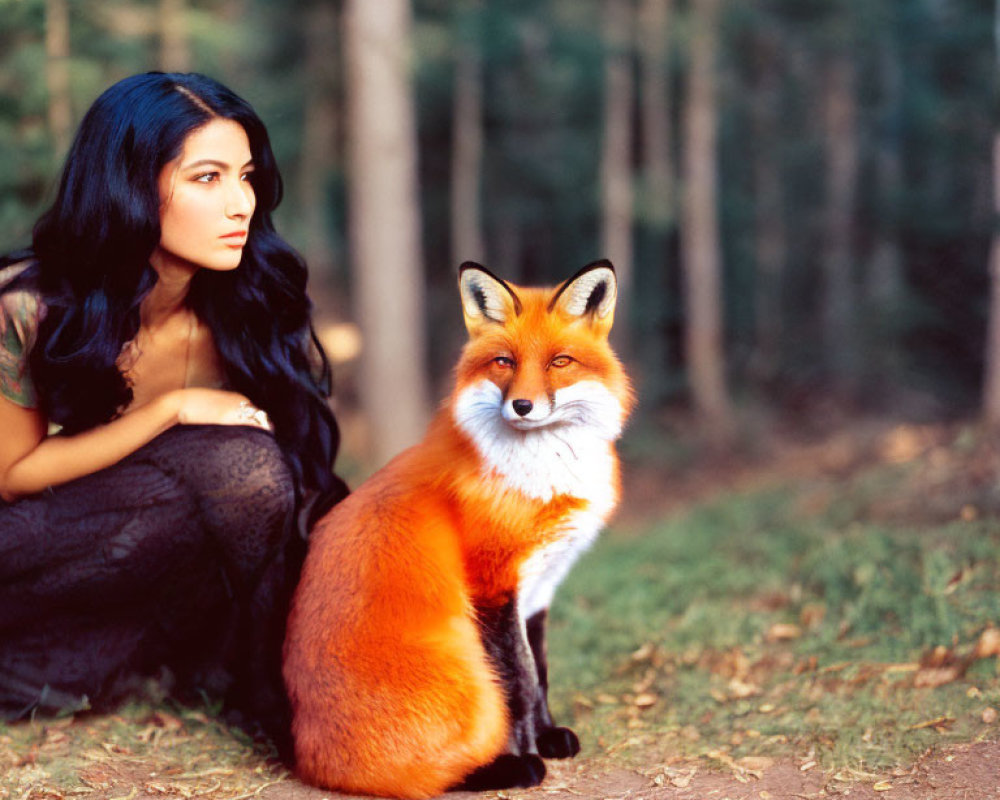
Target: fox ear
<point x="485" y="298"/>
<point x="590" y="293"/>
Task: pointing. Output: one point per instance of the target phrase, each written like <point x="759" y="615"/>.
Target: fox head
<point x="538" y="360"/>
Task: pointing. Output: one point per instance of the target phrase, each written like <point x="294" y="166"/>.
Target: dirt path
<point x="962" y="772"/>
<point x="965" y="772"/>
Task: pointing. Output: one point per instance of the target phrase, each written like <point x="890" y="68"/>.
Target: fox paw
<point x="557" y="743"/>
<point x="505" y="772"/>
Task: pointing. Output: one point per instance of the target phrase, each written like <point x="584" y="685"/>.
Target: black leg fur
<point x="511" y="656"/>
<point x="552" y="741"/>
<point x="506" y="772"/>
<point x="558" y="743"/>
<point x="535" y="627"/>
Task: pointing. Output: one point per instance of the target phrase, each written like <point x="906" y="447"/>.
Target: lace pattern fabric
<point x="183" y="555"/>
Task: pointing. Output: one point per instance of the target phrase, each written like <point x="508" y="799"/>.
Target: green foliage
<point x="543" y="97"/>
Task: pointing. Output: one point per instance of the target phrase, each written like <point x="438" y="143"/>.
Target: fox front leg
<point x="505" y="643"/>
<point x="552" y="741"/>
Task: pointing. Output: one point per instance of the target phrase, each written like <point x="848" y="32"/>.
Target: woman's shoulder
<point x="21" y="309"/>
<point x="17" y="277"/>
<point x="21" y="305"/>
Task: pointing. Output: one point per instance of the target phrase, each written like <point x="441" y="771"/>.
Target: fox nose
<point x="522" y="407"/>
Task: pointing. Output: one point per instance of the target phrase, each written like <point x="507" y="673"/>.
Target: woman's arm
<point x="31" y="462"/>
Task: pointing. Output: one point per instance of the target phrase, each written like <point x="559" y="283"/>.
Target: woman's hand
<point x="218" y="407"/>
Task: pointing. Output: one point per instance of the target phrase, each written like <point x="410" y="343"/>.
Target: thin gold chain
<point x="192" y="327"/>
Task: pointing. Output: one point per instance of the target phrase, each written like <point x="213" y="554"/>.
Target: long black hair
<point x="90" y="263"/>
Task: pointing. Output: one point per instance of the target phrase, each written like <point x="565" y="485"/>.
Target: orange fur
<point x="391" y="689"/>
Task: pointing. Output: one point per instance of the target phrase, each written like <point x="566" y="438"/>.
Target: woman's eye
<point x="561" y="361"/>
<point x="246" y="176"/>
<point x="207" y="177"/>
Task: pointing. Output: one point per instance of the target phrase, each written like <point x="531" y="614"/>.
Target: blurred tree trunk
<point x="701" y="252"/>
<point x="770" y="229"/>
<point x="319" y="134"/>
<point x="467" y="147"/>
<point x="60" y="110"/>
<point x="384" y="222"/>
<point x="507" y="240"/>
<point x="175" y="47"/>
<point x="657" y="145"/>
<point x="616" y="159"/>
<point x="233" y="58"/>
<point x="992" y="378"/>
<point x="885" y="281"/>
<point x="840" y="335"/>
<point x="991" y="400"/>
<point x="656" y="202"/>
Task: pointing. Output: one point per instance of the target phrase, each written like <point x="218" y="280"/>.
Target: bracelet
<point x="250" y="413"/>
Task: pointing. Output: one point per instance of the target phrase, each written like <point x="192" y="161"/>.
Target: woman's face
<point x="206" y="200"/>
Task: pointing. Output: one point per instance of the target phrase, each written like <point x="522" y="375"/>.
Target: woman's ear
<point x="485" y="298"/>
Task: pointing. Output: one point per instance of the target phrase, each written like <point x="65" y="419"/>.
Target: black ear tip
<point x="601" y="263"/>
<point x="476" y="286"/>
<point x="470" y="265"/>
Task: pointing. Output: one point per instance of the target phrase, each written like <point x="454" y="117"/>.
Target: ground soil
<point x="963" y="772"/>
<point x="969" y="772"/>
<point x="966" y="772"/>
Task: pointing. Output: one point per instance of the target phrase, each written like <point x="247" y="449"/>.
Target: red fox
<point x="415" y="653"/>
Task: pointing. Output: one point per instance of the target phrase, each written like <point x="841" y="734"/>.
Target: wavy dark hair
<point x="90" y="262"/>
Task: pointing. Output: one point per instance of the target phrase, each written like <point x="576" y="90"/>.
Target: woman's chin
<point x="221" y="265"/>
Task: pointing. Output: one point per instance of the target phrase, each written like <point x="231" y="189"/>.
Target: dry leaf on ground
<point x="988" y="644"/>
<point x="938" y="667"/>
<point x="783" y="632"/>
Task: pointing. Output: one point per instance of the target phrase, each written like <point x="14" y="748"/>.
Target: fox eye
<point x="504" y="361"/>
<point x="561" y="361"/>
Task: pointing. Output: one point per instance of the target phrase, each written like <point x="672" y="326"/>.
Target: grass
<point x="787" y="622"/>
<point x="158" y="747"/>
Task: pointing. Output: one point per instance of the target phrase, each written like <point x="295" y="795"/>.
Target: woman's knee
<point x="226" y="462"/>
<point x="240" y="481"/>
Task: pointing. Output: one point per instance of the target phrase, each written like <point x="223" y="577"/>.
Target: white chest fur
<point x="544" y="570"/>
<point x="572" y="455"/>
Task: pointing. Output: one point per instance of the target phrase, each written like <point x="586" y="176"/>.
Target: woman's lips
<point x="235" y="239"/>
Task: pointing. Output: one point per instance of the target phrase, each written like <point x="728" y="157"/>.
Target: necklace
<point x="192" y="327"/>
<point x="135" y="365"/>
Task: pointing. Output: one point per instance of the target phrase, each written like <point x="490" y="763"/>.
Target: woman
<point x="163" y="415"/>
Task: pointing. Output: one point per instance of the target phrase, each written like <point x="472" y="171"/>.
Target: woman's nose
<point x="240" y="199"/>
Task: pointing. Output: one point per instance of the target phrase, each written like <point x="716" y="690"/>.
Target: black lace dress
<point x="181" y="556"/>
<point x="178" y="561"/>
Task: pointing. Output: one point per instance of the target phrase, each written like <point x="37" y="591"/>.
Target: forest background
<point x="800" y="198"/>
<point x="799" y="195"/>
